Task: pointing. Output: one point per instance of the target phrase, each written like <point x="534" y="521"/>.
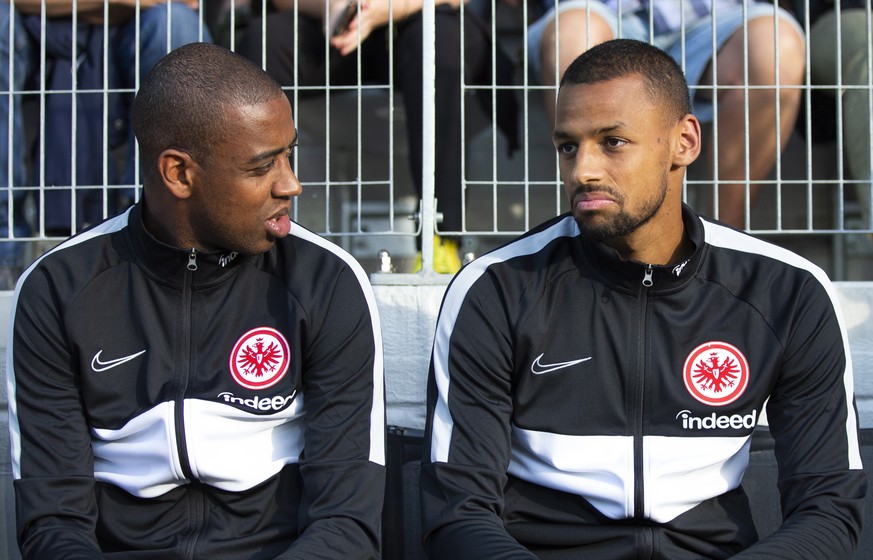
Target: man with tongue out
<point x="199" y="377"/>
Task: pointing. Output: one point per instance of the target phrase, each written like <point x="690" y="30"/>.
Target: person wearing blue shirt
<point x="136" y="42"/>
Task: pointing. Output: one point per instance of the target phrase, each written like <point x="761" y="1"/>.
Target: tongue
<point x="280" y="227"/>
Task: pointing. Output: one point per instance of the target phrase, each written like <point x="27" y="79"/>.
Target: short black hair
<point x="181" y="104"/>
<point x="663" y="78"/>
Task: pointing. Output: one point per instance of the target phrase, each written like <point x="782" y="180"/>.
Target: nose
<point x="586" y="165"/>
<point x="287" y="184"/>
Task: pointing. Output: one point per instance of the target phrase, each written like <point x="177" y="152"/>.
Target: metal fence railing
<point x="374" y="166"/>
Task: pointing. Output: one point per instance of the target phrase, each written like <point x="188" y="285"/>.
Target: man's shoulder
<point x="303" y="247"/>
<point x="538" y="241"/>
<point x="742" y="248"/>
<point x="82" y="255"/>
<point x="312" y="266"/>
<point x="74" y="275"/>
<point x="538" y="253"/>
<point x="759" y="271"/>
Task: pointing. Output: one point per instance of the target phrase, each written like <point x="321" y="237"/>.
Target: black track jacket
<point x="585" y="406"/>
<point x="195" y="405"/>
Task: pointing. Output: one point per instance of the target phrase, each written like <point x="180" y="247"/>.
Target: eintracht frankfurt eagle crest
<point x="716" y="373"/>
<point x="259" y="358"/>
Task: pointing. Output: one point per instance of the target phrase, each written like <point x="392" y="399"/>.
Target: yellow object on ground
<point x="446" y="259"/>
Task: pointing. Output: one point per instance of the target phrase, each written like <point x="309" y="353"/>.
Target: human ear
<point x="176" y="169"/>
<point x="688" y="141"/>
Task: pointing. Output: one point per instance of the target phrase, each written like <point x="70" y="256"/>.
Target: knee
<point x="792" y="52"/>
<point x="574" y="32"/>
<point x="767" y="41"/>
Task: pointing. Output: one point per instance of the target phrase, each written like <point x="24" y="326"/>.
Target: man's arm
<point x="315" y="8"/>
<point x="343" y="467"/>
<point x="372" y="15"/>
<point x="814" y="423"/>
<point x="467" y="440"/>
<point x="51" y="445"/>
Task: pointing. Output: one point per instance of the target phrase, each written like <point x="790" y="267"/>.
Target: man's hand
<point x="373" y="14"/>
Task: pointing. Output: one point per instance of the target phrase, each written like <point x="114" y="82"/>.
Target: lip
<point x="283" y="211"/>
<point x="279" y="223"/>
<point x="592" y="200"/>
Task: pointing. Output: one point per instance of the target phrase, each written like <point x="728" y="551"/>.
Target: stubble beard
<point x="220" y="239"/>
<point x="624" y="223"/>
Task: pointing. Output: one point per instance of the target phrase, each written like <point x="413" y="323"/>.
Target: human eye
<point x="567" y="148"/>
<point x="265" y="168"/>
<point x="613" y="142"/>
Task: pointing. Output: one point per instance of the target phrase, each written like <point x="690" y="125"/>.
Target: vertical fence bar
<point x="428" y="160"/>
<point x="10" y="126"/>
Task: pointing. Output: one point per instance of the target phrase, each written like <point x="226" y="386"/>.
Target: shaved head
<point x="182" y="102"/>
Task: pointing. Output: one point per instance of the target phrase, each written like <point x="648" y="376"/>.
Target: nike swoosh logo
<point x="99" y="366"/>
<point x="539" y="368"/>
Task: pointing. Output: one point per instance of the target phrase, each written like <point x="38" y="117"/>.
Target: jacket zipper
<point x="647" y="551"/>
<point x="196" y="521"/>
<point x="185" y="366"/>
<point x="195" y="497"/>
<point x="647" y="276"/>
<point x="192" y="260"/>
<point x="638" y="417"/>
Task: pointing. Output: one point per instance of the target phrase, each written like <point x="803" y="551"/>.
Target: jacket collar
<point x="630" y="275"/>
<point x="177" y="265"/>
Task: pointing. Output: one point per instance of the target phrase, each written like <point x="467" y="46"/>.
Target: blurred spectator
<point x="839" y="55"/>
<point x="687" y="34"/>
<point x="136" y="42"/>
<point x="225" y="18"/>
<point x="12" y="171"/>
<point x="372" y="20"/>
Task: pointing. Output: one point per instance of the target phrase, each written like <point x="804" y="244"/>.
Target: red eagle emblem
<point x="259" y="358"/>
<point x="716" y="373"/>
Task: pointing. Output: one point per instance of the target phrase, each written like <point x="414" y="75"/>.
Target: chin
<point x="253" y="247"/>
<point x="263" y="248"/>
<point x="603" y="231"/>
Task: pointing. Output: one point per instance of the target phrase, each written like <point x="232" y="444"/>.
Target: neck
<point x="662" y="241"/>
<point x="160" y="223"/>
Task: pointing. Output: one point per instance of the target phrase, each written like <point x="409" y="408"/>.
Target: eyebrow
<point x="561" y="135"/>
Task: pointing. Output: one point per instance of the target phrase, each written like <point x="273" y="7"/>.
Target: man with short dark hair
<point x="744" y="61"/>
<point x="199" y="377"/>
<point x="595" y="383"/>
